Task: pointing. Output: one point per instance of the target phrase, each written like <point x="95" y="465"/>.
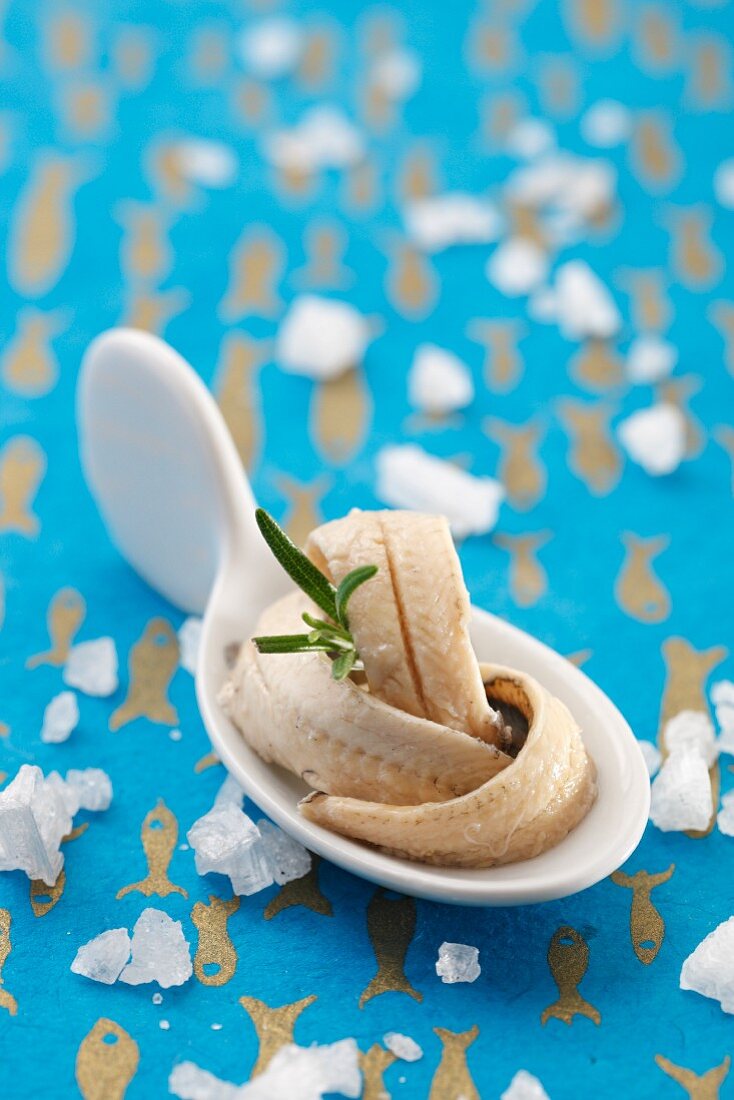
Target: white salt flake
<point x="724" y="184"/>
<point x="35" y="815"/>
<point x="530" y="138"/>
<point x="189" y="1082"/>
<point x="160" y="952"/>
<point x="651" y="754"/>
<point x="725" y="816"/>
<point x="691" y="731"/>
<point x="91" y="667"/>
<point x="606" y="123"/>
<point x="438" y="381"/>
<point x="397" y="73"/>
<point x="458" y="962"/>
<point x="164" y="1025"/>
<point x="561" y="184"/>
<point x="230" y="791"/>
<point x="92" y="787"/>
<point x="455" y="218"/>
<point x="189" y="637"/>
<point x="408" y="477"/>
<point x="306" y="1073"/>
<point x="103" y="958"/>
<point x="584" y="306"/>
<point x="402" y="1046"/>
<point x="321" y="338"/>
<point x="517" y="266"/>
<point x="227" y="842"/>
<point x="655" y="438"/>
<point x="157" y="998"/>
<point x="175" y="735"/>
<point x="543" y="305"/>
<point x="650" y="359"/>
<point x="709" y="970"/>
<point x="722" y="692"/>
<point x="60" y="718"/>
<point x="524" y="1086"/>
<point x="271" y="48"/>
<point x="681" y="793"/>
<point x="722" y="696"/>
<point x="324" y="138"/>
<point x="207" y="163"/>
<point x="287" y="859"/>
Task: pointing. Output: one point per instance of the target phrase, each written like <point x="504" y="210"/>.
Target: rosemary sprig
<point x="330" y="635"/>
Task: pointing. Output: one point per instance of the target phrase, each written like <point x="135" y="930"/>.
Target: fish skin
<point x="524" y="810"/>
<point x="339" y="737"/>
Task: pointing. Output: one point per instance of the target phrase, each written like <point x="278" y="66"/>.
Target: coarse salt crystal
<point x="103" y="958"/>
<point x="321" y="338"/>
<point x="454" y="218"/>
<point x="271" y="48"/>
<point x="458" y="962"/>
<point x="584" y="306"/>
<point x="91" y="667"/>
<point x="60" y="718"/>
<point x="35" y="815"/>
<point x="92" y="787"/>
<point x="680" y="796"/>
<point x="160" y="953"/>
<point x="517" y="266"/>
<point x="438" y="381"/>
<point x="189" y="637"/>
<point x="524" y="1086"/>
<point x="724" y="184"/>
<point x="207" y="163"/>
<point x="650" y="359"/>
<point x="709" y="970"/>
<point x="227" y="842"/>
<point x="324" y="138"/>
<point x="606" y="123"/>
<point x="530" y="138"/>
<point x="691" y="730"/>
<point x="725" y="816"/>
<point x="652" y="756"/>
<point x="189" y="1082"/>
<point x="402" y="1046"/>
<point x="287" y="859"/>
<point x="655" y="438"/>
<point x="397" y="73"/>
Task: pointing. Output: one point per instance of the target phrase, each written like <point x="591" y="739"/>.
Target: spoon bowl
<point x="161" y="464"/>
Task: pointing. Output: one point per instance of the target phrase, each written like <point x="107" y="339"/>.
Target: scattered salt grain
<point x="91" y="667"/>
<point x="321" y="338"/>
<point x="722" y="696"/>
<point x="606" y="123"/>
<point x="455" y="218"/>
<point x="517" y="266"/>
<point x="655" y="438"/>
<point x="164" y="1025"/>
<point x="408" y="477"/>
<point x="92" y="787"/>
<point x="227" y="842"/>
<point x="438" y="381"/>
<point x="651" y="754"/>
<point x="709" y="970"/>
<point x="189" y="1082"/>
<point x="725" y="817"/>
<point x="722" y="692"/>
<point x="175" y="735"/>
<point x="530" y="138"/>
<point x="402" y="1046"/>
<point x="397" y="73"/>
<point x="216" y="1027"/>
<point x="458" y="962"/>
<point x="272" y="48"/>
<point x="160" y="953"/>
<point x="157" y="998"/>
<point x="563" y="184"/>
<point x="207" y="163"/>
<point x="287" y="859"/>
<point x="691" y="731"/>
<point x="35" y="814"/>
<point x="189" y="637"/>
<point x="681" y="793"/>
<point x="724" y="184"/>
<point x="230" y="791"/>
<point x="650" y="359"/>
<point x="60" y="717"/>
<point x="524" y="1086"/>
<point x="584" y="306"/>
<point x="323" y="139"/>
<point x="543" y="305"/>
<point x="103" y="958"/>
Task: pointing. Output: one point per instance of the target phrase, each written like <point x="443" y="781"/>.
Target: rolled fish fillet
<point x="341" y="738"/>
<point x="410" y="622"/>
<point x="518" y="813"/>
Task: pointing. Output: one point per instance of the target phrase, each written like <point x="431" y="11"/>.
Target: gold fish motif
<point x="656" y="38"/>
<point x="106" y="1062"/>
<point x="703" y="1087"/>
<point x="695" y="259"/>
<point x="656" y="158"/>
<point x="499" y="113"/>
<point x="724" y="436"/>
<point x="594" y="23"/>
<point x="679" y="391"/>
<point x="133" y="57"/>
<point x="412" y="284"/>
<point x="166" y="172"/>
<point x="274" y="1026"/>
<point x="340" y="414"/>
<point x="22" y="467"/>
<point x="29" y="364"/>
<point x="237" y="392"/>
<point x="580" y="657"/>
<point x="145" y="252"/>
<point x="452" y="1079"/>
<point x="520" y="470"/>
<point x="503" y="363"/>
<point x="87" y="109"/>
<point x="722" y="316"/>
<point x="373" y="1064"/>
<point x="391" y="926"/>
<point x="209" y="760"/>
<point x="43" y="897"/>
<point x="379" y="110"/>
<point x="7" y="1000"/>
<point x="593" y="457"/>
<point x="493" y="47"/>
<point x="568" y="959"/>
<point x="361" y="188"/>
<point x="528" y="580"/>
<point x="304" y="891"/>
<point x="598" y="365"/>
<point x="67" y="41"/>
<point x="252" y="102"/>
<point x="316" y="66"/>
<point x="418" y="175"/>
<point x="649" y="301"/>
<point x="295" y="182"/>
<point x="647" y="927"/>
<point x="209" y="54"/>
<point x="709" y="85"/>
<point x="559" y="87"/>
<point x="65" y="615"/>
<point x="153" y="310"/>
<point x="158" y="834"/>
<point x="215" y="948"/>
<point x="638" y="590"/>
<point x="256" y="266"/>
<point x="325" y="244"/>
<point x="304" y="513"/>
<point x="152" y="664"/>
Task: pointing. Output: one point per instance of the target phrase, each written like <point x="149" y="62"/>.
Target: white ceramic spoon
<point x="164" y="471"/>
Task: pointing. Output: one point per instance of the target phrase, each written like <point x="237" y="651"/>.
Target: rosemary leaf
<point x="297" y="565"/>
<point x="290" y="643"/>
<point x="343" y="664"/>
<point x="348" y="586"/>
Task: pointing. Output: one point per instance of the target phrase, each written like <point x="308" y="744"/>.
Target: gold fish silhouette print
<point x="638" y="591"/>
<point x="503" y="364"/>
<point x="208" y="55"/>
<point x="649" y="302"/>
<point x="580" y="657"/>
<point x="593" y="23"/>
<point x="209" y="760"/>
<point x="65" y="615"/>
<point x="252" y="103"/>
<point x="67" y="41"/>
<point x="166" y="172"/>
<point x="722" y="316"/>
<point x="391" y="927"/>
<point x="304" y="512"/>
<point x="153" y="310"/>
<point x="695" y="259"/>
<point x="493" y="47"/>
<point x="106" y="1062"/>
<point x="274" y="1026"/>
<point x="568" y="959"/>
<point x="452" y="1079"/>
<point x="558" y="79"/>
<point x="411" y="283"/>
<point x="656" y="40"/>
<point x="316" y="67"/>
<point x="22" y="467"/>
<point x="304" y="891"/>
<point x="42" y="226"/>
<point x="133" y="57"/>
<point x="29" y="365"/>
<point x="373" y="1064"/>
<point x="256" y="265"/>
<point x="498" y="117"/>
<point x="528" y="580"/>
<point x="418" y="178"/>
<point x="152" y="664"/>
<point x="520" y="470"/>
<point x="340" y="415"/>
<point x="145" y="253"/>
<point x="598" y="366"/>
<point x="593" y="456"/>
<point x="703" y="1087"/>
<point x="158" y="835"/>
<point x="724" y="436"/>
<point x="325" y="244"/>
<point x="43" y="897"/>
<point x="361" y="189"/>
<point x="709" y="85"/>
<point x="215" y="960"/>
<point x="87" y="110"/>
<point x="656" y="158"/>
<point x="647" y="927"/>
<point x="678" y="392"/>
<point x="237" y="392"/>
<point x="7" y="1000"/>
